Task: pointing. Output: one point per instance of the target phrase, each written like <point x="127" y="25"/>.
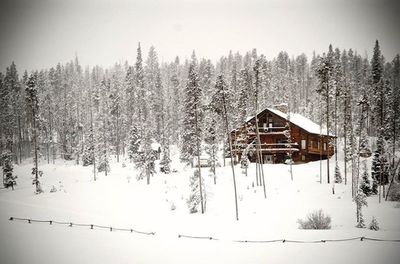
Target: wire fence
<point x="131" y="230"/>
<point x="91" y="226"/>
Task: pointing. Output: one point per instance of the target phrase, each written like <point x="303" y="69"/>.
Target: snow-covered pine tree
<point x="141" y="92"/>
<point x="365" y="185"/>
<point x="32" y="103"/>
<point x="379" y="89"/>
<point x="324" y="74"/>
<point x="191" y="103"/>
<point x="6" y="116"/>
<point x="131" y="93"/>
<point x="88" y="155"/>
<point x="337" y="76"/>
<point x="154" y="91"/>
<point x="165" y="163"/>
<point x="363" y="136"/>
<point x="338" y="175"/>
<point x="175" y="101"/>
<point x="245" y="86"/>
<point x="380" y="166"/>
<point x="145" y="160"/>
<point x="210" y="138"/>
<point x="115" y="104"/>
<point x="360" y="200"/>
<point x="12" y="109"/>
<point x="9" y="179"/>
<point x="133" y="143"/>
<point x="103" y="130"/>
<point x="197" y="192"/>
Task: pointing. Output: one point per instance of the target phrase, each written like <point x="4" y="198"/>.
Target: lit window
<point x="303" y="144"/>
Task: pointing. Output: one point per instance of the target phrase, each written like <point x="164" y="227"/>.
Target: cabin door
<point x="268" y="159"/>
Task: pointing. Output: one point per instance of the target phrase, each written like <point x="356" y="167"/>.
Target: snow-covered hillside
<point x="120" y="201"/>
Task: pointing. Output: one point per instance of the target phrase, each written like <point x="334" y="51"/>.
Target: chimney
<point x="283" y="107"/>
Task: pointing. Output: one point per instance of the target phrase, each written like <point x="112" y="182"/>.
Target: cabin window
<point x="303" y="144"/>
<point x="265" y="126"/>
<point x="324" y="146"/>
<point x="270" y="124"/>
<point x="303" y="158"/>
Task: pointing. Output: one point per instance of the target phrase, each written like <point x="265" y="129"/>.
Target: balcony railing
<point x="271" y="147"/>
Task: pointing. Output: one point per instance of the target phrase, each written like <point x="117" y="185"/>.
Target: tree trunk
<point x="35" y="152"/>
<point x="327" y="132"/>
<point x="198" y="158"/>
<point x="230" y="147"/>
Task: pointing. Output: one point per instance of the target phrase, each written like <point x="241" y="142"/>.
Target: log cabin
<point x="282" y="135"/>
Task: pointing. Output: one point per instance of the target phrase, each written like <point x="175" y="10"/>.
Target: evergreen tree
<point x="360" y="200"/>
<point x="33" y="108"/>
<point x="325" y="75"/>
<point x="191" y="106"/>
<point x="103" y="130"/>
<point x="338" y="175"/>
<point x="197" y="193"/>
<point x="379" y="169"/>
<point x="115" y="107"/>
<point x="210" y="139"/>
<point x="145" y="163"/>
<point x="9" y="179"/>
<point x="365" y="185"/>
<point x="140" y="88"/>
<point x="133" y="143"/>
<point x="165" y="163"/>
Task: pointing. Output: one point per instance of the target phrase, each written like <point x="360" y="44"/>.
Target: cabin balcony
<point x="272" y="148"/>
<point x="269" y="131"/>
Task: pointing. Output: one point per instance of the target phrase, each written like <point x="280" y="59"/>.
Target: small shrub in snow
<point x="173" y="207"/>
<point x="53" y="189"/>
<point x="315" y="220"/>
<point x="374" y="224"/>
<point x="397" y="205"/>
<point x="394" y="193"/>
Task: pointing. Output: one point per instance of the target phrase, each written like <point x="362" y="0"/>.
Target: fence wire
<point x="131" y="230"/>
<point x="91" y="226"/>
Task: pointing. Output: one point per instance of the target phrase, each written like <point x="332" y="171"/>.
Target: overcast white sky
<point x="40" y="33"/>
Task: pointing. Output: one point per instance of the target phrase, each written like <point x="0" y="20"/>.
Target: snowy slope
<point x="113" y="201"/>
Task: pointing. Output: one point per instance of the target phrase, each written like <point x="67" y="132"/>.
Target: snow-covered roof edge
<point x="298" y="120"/>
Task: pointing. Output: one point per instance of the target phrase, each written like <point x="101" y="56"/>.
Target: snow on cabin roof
<point x="302" y="121"/>
<point x="299" y="120"/>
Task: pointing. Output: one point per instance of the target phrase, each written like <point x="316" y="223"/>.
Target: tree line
<point x="87" y="114"/>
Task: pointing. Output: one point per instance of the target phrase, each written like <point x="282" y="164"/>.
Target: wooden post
<point x="230" y="147"/>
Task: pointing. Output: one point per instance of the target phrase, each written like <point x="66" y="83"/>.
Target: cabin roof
<point x="298" y="120"/>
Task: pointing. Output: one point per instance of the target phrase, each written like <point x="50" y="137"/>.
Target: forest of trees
<point x="88" y="114"/>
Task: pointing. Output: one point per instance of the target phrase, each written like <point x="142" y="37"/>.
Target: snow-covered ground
<point x="117" y="201"/>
